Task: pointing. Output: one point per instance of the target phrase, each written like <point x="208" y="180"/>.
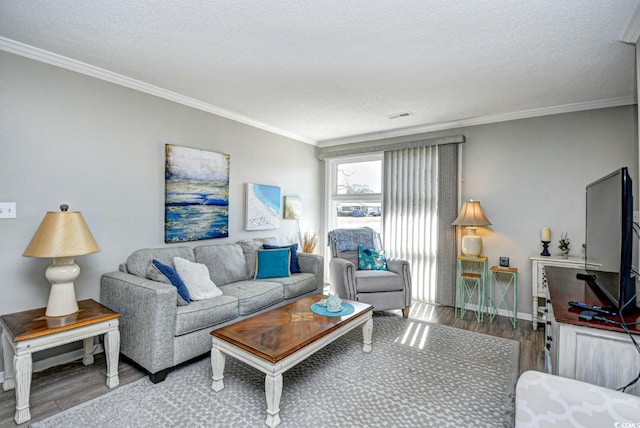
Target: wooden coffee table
<point x="277" y="340"/>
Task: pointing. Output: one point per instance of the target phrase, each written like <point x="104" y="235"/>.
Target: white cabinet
<point x="539" y="279"/>
<point x="595" y="352"/>
<point x="601" y="357"/>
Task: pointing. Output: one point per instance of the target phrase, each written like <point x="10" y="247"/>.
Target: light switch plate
<point x="7" y="210"/>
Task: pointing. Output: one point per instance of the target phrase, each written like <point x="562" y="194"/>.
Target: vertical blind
<point x="419" y="203"/>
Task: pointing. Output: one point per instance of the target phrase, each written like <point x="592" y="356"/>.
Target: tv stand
<point x="539" y="280"/>
<point x="591" y="351"/>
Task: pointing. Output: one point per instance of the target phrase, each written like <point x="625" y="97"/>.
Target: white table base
<point x="273" y="372"/>
<point x="18" y="364"/>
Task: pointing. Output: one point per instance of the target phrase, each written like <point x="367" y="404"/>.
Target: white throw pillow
<point x="196" y="277"/>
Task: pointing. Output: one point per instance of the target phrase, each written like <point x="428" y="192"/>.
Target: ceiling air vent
<point x="399" y="115"/>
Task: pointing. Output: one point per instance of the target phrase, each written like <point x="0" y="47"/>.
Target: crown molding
<point x="51" y="58"/>
<point x="61" y="61"/>
<point x="484" y="120"/>
<point x="632" y="32"/>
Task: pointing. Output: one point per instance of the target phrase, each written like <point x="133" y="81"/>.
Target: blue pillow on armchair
<point x="371" y="259"/>
<point x="295" y="267"/>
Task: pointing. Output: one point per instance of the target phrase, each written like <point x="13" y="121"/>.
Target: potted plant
<point x="564" y="243"/>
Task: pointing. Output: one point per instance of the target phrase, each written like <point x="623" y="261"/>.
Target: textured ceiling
<point x="332" y="71"/>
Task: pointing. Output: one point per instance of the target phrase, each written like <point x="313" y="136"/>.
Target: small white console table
<point x="539" y="278"/>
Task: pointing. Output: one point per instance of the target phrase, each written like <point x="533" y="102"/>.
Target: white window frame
<point x="332" y="198"/>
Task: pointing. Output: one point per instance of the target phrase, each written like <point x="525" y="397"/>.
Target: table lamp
<point x="472" y="216"/>
<point x="62" y="236"/>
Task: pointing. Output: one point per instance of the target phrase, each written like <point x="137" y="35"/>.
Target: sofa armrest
<point x="402" y="268"/>
<point x="546" y="399"/>
<point x="343" y="281"/>
<point x="147" y="325"/>
<point x="313" y="263"/>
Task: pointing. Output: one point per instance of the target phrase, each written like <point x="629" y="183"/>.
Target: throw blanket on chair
<point x="350" y="239"/>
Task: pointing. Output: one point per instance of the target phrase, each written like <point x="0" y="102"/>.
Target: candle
<point x="546" y="234"/>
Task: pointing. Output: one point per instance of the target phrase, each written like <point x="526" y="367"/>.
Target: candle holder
<point x="545" y="248"/>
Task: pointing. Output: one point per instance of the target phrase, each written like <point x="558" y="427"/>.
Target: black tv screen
<point x="609" y="238"/>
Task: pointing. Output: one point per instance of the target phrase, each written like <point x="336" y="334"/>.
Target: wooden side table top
<point x="33" y="323"/>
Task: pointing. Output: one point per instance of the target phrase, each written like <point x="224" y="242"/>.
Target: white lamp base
<point x="62" y="297"/>
<point x="471" y="243"/>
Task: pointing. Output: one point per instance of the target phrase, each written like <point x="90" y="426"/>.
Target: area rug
<point x="418" y="375"/>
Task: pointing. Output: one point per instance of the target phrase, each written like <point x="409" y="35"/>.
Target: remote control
<point x="607" y="310"/>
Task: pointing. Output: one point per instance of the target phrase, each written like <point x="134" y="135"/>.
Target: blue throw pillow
<point x="371" y="259"/>
<point x="294" y="267"/>
<point x="273" y="263"/>
<point x="174" y="279"/>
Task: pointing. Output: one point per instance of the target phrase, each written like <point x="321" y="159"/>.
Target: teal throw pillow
<point x="371" y="259"/>
<point x="162" y="273"/>
<point x="294" y="267"/>
<point x="273" y="263"/>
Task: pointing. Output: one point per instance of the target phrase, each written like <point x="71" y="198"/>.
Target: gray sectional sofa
<point x="158" y="334"/>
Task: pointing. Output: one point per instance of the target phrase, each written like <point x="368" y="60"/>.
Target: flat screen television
<point x="609" y="239"/>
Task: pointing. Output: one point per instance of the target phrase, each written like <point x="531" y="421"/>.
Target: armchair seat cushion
<point x="205" y="314"/>
<point x="254" y="295"/>
<point x="372" y="281"/>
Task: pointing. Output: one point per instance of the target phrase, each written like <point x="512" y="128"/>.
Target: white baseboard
<point x="57" y="360"/>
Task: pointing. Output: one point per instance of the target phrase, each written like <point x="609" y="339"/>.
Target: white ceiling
<point x="331" y="71"/>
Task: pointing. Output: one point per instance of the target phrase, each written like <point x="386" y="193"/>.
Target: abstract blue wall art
<point x="263" y="207"/>
<point x="196" y="194"/>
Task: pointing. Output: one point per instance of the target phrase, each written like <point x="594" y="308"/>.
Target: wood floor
<point x="63" y="387"/>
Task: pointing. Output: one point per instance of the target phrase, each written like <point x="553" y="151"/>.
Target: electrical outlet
<point x="7" y="210"/>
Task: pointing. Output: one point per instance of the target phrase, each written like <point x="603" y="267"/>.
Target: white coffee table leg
<point x="273" y="391"/>
<point x="22" y="367"/>
<point x="112" y="351"/>
<point x="218" y="359"/>
<point x="367" y="330"/>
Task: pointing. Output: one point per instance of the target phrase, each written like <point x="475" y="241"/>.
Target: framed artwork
<point x="196" y="194"/>
<point x="263" y="207"/>
<point x="292" y="207"/>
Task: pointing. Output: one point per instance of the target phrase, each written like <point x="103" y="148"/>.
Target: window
<point x="355" y="185"/>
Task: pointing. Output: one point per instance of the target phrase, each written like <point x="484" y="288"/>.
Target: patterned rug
<point x="418" y="375"/>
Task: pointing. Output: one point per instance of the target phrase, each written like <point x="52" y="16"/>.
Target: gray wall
<point x="99" y="147"/>
<point x="532" y="173"/>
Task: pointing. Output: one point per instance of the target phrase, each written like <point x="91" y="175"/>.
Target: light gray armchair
<point x="384" y="289"/>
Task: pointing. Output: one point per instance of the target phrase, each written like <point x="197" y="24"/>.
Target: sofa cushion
<point x="205" y="314"/>
<point x="163" y="273"/>
<point x="273" y="263"/>
<point x="254" y="295"/>
<point x="249" y="248"/>
<point x="297" y="284"/>
<point x="196" y="278"/>
<point x="226" y="263"/>
<point x="371" y="281"/>
<point x="138" y="262"/>
<point x="295" y="266"/>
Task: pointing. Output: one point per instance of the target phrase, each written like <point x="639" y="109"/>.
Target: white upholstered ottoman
<point x="545" y="400"/>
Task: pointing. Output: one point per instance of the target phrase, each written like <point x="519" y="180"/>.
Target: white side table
<point x="24" y="333"/>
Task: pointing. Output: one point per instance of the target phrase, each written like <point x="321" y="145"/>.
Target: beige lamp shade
<point x="472" y="216"/>
<point x="62" y="234"/>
